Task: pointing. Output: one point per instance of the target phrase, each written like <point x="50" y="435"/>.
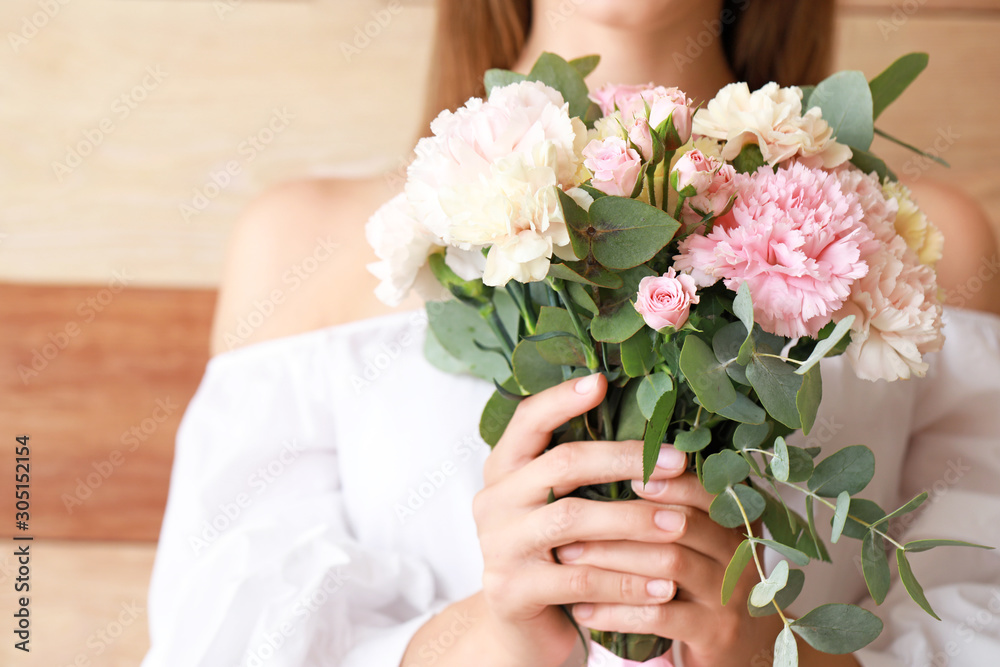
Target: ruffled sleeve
<point x="256" y="562"/>
<point x="954" y="456"/>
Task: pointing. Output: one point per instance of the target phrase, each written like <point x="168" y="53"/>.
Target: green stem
<point x="667" y="158"/>
<point x="753" y="550"/>
<point x="826" y="502"/>
<point x="518" y="294"/>
<point x="489" y="313"/>
<point x="651" y="183"/>
<point x="588" y="349"/>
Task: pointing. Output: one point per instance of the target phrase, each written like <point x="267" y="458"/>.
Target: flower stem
<point x="651" y="183"/>
<point x="588" y="350"/>
<point x="492" y="318"/>
<point x="753" y="550"/>
<point x="518" y="293"/>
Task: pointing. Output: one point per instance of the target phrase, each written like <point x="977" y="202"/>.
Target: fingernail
<point x="570" y="552"/>
<point x="652" y="486"/>
<point x="587" y="384"/>
<point x="583" y="610"/>
<point x="660" y="588"/>
<point x="669" y="520"/>
<point x="671" y="459"/>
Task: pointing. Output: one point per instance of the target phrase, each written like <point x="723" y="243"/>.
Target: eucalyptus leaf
<point x="750" y="435"/>
<point x="581" y="273"/>
<point x="651" y="388"/>
<point x="891" y="83"/>
<point x="581" y="297"/>
<point x="693" y="441"/>
<point x="780" y="464"/>
<point x="741" y="558"/>
<point x="777" y="386"/>
<point x="706" y="376"/>
<point x="846" y="102"/>
<point x="743" y="410"/>
<point x="905" y="509"/>
<point x="618" y="319"/>
<point x="808" y="398"/>
<point x="838" y="628"/>
<point x="555" y="72"/>
<point x="725" y="511"/>
<point x="625" y="233"/>
<point x="866" y="511"/>
<point x="435" y="353"/>
<point x="497" y="414"/>
<point x="555" y="338"/>
<point x="498" y="78"/>
<point x="824" y="346"/>
<point x="532" y="371"/>
<point x="791" y="553"/>
<point x="458" y="328"/>
<point x="638" y="355"/>
<point x="749" y="160"/>
<point x="764" y="591"/>
<point x="631" y="423"/>
<point x="875" y="566"/>
<point x="840" y="516"/>
<point x="911" y="584"/>
<point x="924" y="545"/>
<point x="585" y="64"/>
<point x="656" y="428"/>
<point x="849" y="469"/>
<point x="724" y="469"/>
<point x="786" y="651"/>
<point x="868" y="163"/>
<point x="784" y="597"/>
<point x="726" y="344"/>
<point x="800" y="465"/>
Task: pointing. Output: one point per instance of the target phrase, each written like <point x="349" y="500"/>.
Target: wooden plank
<point x="950" y="110"/>
<point x="88" y="604"/>
<point x="99" y="381"/>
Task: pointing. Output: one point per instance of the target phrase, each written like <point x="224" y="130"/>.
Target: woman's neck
<point x="685" y="51"/>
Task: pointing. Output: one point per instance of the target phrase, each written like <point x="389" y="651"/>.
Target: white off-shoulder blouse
<point x="320" y="503"/>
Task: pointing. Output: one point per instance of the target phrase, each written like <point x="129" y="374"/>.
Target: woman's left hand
<point x="705" y="632"/>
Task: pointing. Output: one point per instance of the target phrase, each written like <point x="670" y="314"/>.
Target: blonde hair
<point x="787" y="41"/>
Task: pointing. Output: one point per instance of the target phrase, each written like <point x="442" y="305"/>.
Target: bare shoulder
<point x="969" y="271"/>
<point x="296" y="262"/>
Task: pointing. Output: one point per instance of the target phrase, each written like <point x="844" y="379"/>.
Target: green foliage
<point x="911" y="585"/>
<point x="783" y="598"/>
<point x="896" y="78"/>
<point x="723" y="470"/>
<point x="656" y="428"/>
<point x="725" y="510"/>
<point x="618" y="320"/>
<point x="458" y="329"/>
<point x="849" y="470"/>
<point x="624" y="232"/>
<point x="846" y="102"/>
<point x="838" y="628"/>
<point x="706" y="376"/>
<point x="555" y="72"/>
<point x="555" y="341"/>
<point x="693" y="441"/>
<point x="766" y="589"/>
<point x="875" y="566"/>
<point x="741" y="558"/>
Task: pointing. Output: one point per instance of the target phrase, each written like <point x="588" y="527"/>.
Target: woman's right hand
<point x="518" y="528"/>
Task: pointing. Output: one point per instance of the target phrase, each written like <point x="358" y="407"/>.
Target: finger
<point x="682" y="490"/>
<point x="551" y="584"/>
<point x="571" y="520"/>
<point x="574" y="464"/>
<point x="530" y="430"/>
<point x="681" y="621"/>
<point x="693" y="572"/>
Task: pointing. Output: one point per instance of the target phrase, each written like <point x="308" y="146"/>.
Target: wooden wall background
<point x="203" y="76"/>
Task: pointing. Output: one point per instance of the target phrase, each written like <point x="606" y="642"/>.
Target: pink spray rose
<point x="616" y="166"/>
<point x="692" y="175"/>
<point x="708" y="184"/>
<point x="795" y="236"/>
<point x="633" y="102"/>
<point x="665" y="301"/>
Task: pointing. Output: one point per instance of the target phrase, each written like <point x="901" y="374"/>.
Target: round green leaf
<point x="840" y="515"/>
<point x="726" y="512"/>
<point x="786" y="652"/>
<point x="724" y="469"/>
<point x="693" y="441"/>
<point x="764" y="591"/>
<point x="784" y="597"/>
<point x="849" y="469"/>
<point x="838" y="628"/>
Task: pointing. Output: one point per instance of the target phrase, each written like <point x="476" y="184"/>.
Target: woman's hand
<point x="523" y="584"/>
<point x="705" y="632"/>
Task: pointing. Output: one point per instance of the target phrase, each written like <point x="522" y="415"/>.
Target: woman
<point x="326" y="496"/>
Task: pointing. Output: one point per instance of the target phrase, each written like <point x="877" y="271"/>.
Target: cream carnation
<point x="402" y="245"/>
<point x="794" y="236"/>
<point x="772" y="118"/>
<point x="488" y="177"/>
<point x="897" y="315"/>
<point x="920" y="234"/>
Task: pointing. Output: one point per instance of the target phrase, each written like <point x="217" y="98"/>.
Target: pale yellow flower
<point x="912" y="224"/>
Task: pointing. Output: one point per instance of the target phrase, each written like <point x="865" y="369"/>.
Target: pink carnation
<point x="896" y="308"/>
<point x="615" y="166"/>
<point x="794" y="236"/>
<point x="665" y="301"/>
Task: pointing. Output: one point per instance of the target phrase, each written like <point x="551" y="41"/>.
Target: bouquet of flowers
<point x="704" y="261"/>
